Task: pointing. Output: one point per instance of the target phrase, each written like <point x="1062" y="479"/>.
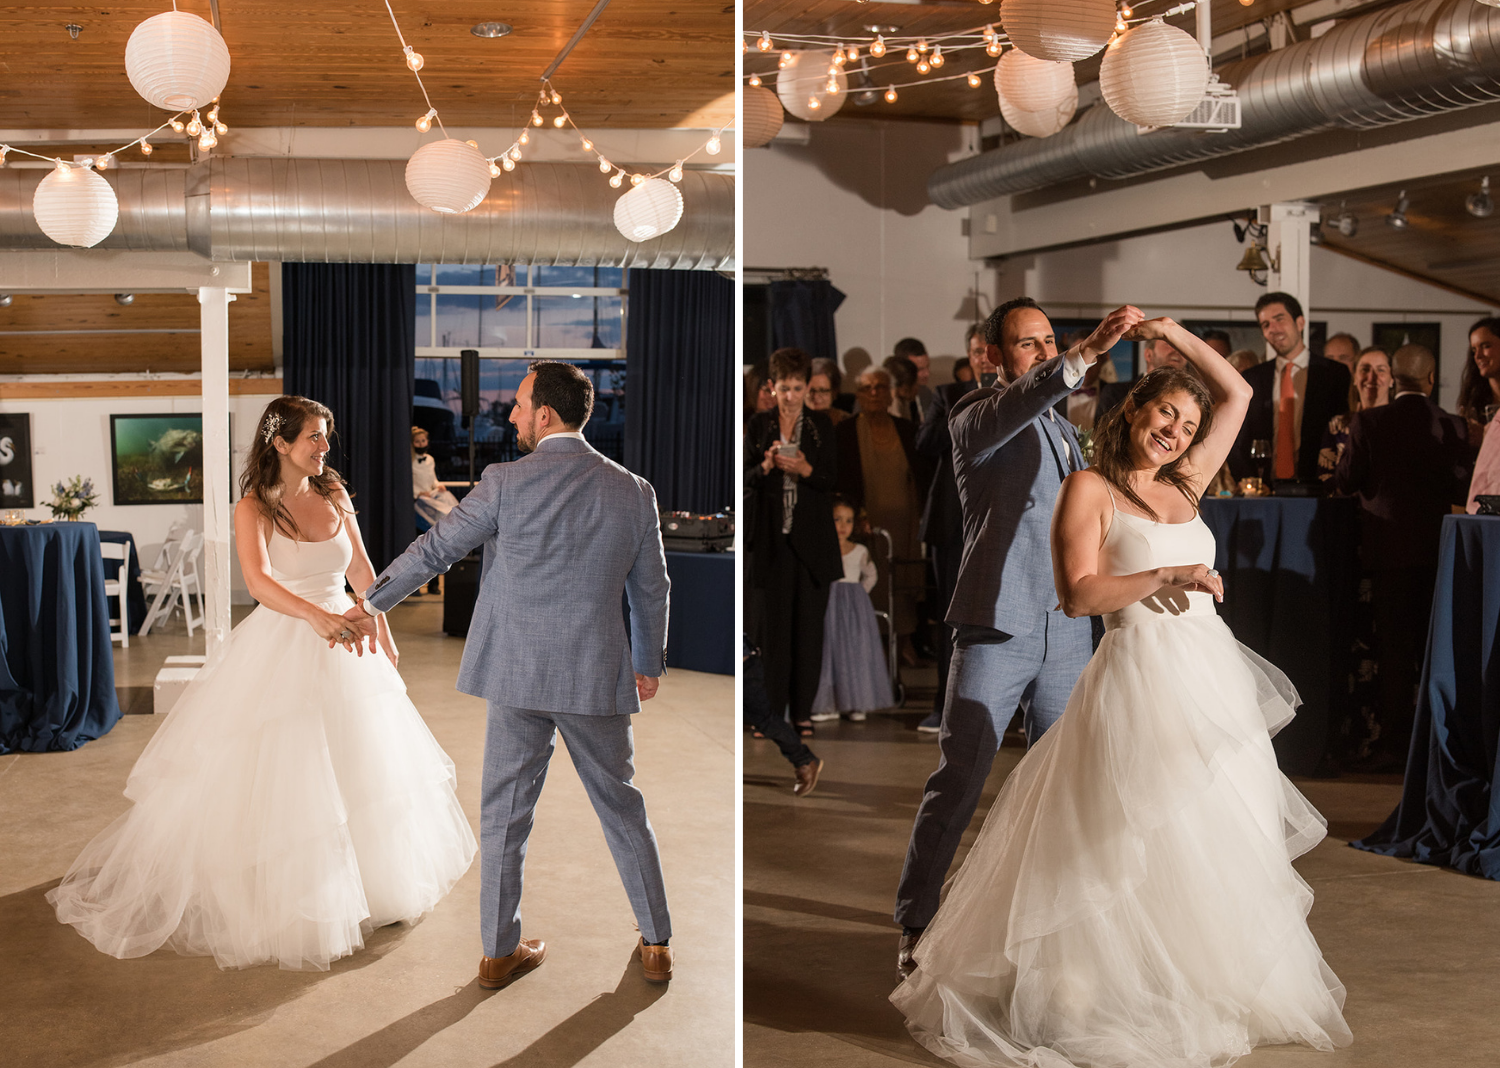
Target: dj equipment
<point x="685" y="532"/>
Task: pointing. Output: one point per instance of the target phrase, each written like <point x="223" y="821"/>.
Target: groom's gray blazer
<point x="564" y="531"/>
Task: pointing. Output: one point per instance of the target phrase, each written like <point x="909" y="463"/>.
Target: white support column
<point x="214" y="314"/>
<point x="1289" y="249"/>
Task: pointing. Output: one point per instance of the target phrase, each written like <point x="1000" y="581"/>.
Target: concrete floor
<point x="410" y="996"/>
<point x="1418" y="948"/>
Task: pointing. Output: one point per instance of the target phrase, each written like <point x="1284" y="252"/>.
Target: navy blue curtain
<point x="349" y="341"/>
<point x="802" y="317"/>
<point x="681" y="387"/>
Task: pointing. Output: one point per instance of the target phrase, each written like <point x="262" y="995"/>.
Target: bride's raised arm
<point x="1227" y="389"/>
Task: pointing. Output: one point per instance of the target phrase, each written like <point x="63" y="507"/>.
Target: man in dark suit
<point x="1308" y="390"/>
<point x="943" y="516"/>
<point x="1408" y="461"/>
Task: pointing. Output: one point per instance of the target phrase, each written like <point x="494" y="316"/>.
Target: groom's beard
<point x="526" y="435"/>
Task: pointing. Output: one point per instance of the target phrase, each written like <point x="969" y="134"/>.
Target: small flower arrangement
<point x="1086" y="445"/>
<point x="72" y="498"/>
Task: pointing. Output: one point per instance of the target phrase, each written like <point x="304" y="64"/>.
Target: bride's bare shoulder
<point x="1085" y="487"/>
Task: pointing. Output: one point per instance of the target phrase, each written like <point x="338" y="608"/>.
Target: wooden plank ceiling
<point x="648" y="64"/>
<point x="952" y="100"/>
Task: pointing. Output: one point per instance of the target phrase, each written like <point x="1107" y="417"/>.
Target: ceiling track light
<point x="1345" y="222"/>
<point x="1479" y="204"/>
<point x="1397" y="218"/>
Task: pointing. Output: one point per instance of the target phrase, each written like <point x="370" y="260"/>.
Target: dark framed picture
<point x="157" y="459"/>
<point x="15" y="461"/>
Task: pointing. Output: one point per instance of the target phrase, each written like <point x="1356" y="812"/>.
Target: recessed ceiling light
<point x="490" y="29"/>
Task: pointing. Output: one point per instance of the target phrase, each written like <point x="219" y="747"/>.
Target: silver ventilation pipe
<point x="359" y="211"/>
<point x="1405" y="62"/>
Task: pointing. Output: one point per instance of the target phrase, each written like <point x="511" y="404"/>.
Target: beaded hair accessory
<point x="273" y="424"/>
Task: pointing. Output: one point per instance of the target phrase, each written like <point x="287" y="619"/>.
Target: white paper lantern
<point x="449" y="176"/>
<point x="805" y="80"/>
<point x="177" y="61"/>
<point x="75" y="206"/>
<point x="760" y="116"/>
<point x="1037" y="97"/>
<point x="1153" y="74"/>
<point x="649" y="210"/>
<point x="1063" y="31"/>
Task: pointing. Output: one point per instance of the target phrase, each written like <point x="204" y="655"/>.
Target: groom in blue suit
<point x="566" y="533"/>
<point x="1012" y="645"/>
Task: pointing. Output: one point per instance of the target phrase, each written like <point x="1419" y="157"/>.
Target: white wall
<point x="1190" y="274"/>
<point x="854" y="200"/>
<point x="70" y="436"/>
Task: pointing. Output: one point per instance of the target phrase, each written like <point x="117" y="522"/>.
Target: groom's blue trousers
<point x="518" y="747"/>
<point x="991" y="674"/>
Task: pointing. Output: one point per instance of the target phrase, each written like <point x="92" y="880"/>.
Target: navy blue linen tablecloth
<point x="1291" y="576"/>
<point x="701" y="630"/>
<point x="1450" y="812"/>
<point x="57" y="672"/>
<point x="135" y="593"/>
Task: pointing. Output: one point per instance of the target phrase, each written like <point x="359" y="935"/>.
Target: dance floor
<point x="1417" y="947"/>
<point x="410" y="996"/>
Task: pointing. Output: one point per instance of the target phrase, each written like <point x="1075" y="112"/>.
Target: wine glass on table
<point x="1260" y="452"/>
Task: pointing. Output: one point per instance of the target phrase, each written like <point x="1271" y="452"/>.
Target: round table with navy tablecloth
<point x="701" y="627"/>
<point x="1291" y="576"/>
<point x="1450" y="809"/>
<point x="57" y="674"/>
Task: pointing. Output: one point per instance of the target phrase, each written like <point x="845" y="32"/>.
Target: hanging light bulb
<point x="556" y="97"/>
<point x="413" y="59"/>
<point x="213" y="114"/>
<point x="785" y="61"/>
<point x="922" y="45"/>
<point x="146" y="150"/>
<point x="744" y="46"/>
<point x="878" y="48"/>
<point x="617" y="179"/>
<point x="208" y="140"/>
<point x="220" y="128"/>
<point x="993" y="48"/>
<point x="937" y="56"/>
<point x="754" y="80"/>
<point x="832" y="87"/>
<point x="525" y="137"/>
<point x="923" y="66"/>
<point x="637" y="179"/>
<point x="676" y="172"/>
<point x="974" y="81"/>
<point x="425" y="122"/>
<point x="852" y="54"/>
<point x="536" y="117"/>
<point x="194" y="126"/>
<point x="588" y="146"/>
<point x="177" y="125"/>
<point x="890" y="95"/>
<point x="988" y="34"/>
<point x="603" y="165"/>
<point x="713" y="145"/>
<point x="1126" y="11"/>
<point x="764" y="44"/>
<point x="911" y="54"/>
<point x="839" y="59"/>
<point x="515" y="154"/>
<point x="813" y="102"/>
<point x="104" y="161"/>
<point x="1120" y="26"/>
<point x="559" y="120"/>
<point x="472" y="144"/>
<point x="507" y="163"/>
<point x="494" y="169"/>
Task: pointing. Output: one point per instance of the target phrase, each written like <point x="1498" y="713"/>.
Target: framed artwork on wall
<point x="15" y="461"/>
<point x="157" y="459"/>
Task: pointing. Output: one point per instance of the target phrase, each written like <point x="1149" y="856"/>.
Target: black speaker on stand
<point x="469" y="389"/>
<point x="461" y="586"/>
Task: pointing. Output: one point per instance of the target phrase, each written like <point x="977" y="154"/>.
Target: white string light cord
<point x="104" y="161"/>
<point x="546" y="97"/>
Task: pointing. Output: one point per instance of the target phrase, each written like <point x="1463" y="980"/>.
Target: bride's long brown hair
<point x="285" y="418"/>
<point x="1112" y="459"/>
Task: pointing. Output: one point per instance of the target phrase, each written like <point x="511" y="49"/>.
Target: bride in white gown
<point x="293" y="800"/>
<point x="1130" y="901"/>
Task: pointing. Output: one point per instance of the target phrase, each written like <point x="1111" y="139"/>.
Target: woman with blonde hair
<point x="293" y="800"/>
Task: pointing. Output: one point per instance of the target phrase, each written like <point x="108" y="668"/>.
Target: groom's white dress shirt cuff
<point x="1074" y="368"/>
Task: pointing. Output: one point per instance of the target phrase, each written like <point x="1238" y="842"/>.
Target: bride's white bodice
<point x="1134" y="544"/>
<point x="311" y="569"/>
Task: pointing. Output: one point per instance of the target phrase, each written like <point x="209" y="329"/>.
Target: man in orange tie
<point x="1296" y="395"/>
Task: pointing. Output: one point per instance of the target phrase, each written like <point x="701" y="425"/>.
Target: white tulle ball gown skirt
<point x="292" y="801"/>
<point x="1130" y="901"/>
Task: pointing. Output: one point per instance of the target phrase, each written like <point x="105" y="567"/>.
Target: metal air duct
<point x="359" y="211"/>
<point x="1405" y="62"/>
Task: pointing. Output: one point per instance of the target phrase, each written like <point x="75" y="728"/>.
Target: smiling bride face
<point x="1162" y="428"/>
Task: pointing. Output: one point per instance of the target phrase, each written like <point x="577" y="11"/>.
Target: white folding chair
<point x="118" y="588"/>
<point x="190" y="580"/>
<point x="167" y="586"/>
<point x="168" y="549"/>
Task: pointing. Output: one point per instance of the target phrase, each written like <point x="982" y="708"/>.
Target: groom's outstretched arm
<point x="648" y="590"/>
<point x="985" y="419"/>
<point x="471" y="524"/>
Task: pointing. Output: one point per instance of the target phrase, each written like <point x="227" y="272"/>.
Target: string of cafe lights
<point x="193" y="125"/>
<point x="547" y="97"/>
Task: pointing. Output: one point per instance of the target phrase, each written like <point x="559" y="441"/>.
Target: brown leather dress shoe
<point x="496" y="972"/>
<point x="807" y="777"/>
<point x="656" y="961"/>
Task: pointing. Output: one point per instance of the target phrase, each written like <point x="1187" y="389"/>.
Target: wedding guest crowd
<point x="1350" y="420"/>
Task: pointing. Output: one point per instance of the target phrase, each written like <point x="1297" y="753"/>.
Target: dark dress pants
<point x="758" y="715"/>
<point x="946" y="559"/>
<point x="1402" y="602"/>
<point x="793" y="604"/>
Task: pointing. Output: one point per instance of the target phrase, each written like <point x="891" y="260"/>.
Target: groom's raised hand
<point x="363" y="625"/>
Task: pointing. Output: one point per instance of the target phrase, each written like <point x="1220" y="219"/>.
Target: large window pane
<point x="481" y="321"/>
<point x="424" y="319"/>
<point x="577" y="322"/>
<point x="455" y="274"/>
<point x="588" y="277"/>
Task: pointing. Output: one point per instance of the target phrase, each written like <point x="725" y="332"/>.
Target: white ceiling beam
<point x="998" y="228"/>
<point x="86" y="270"/>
